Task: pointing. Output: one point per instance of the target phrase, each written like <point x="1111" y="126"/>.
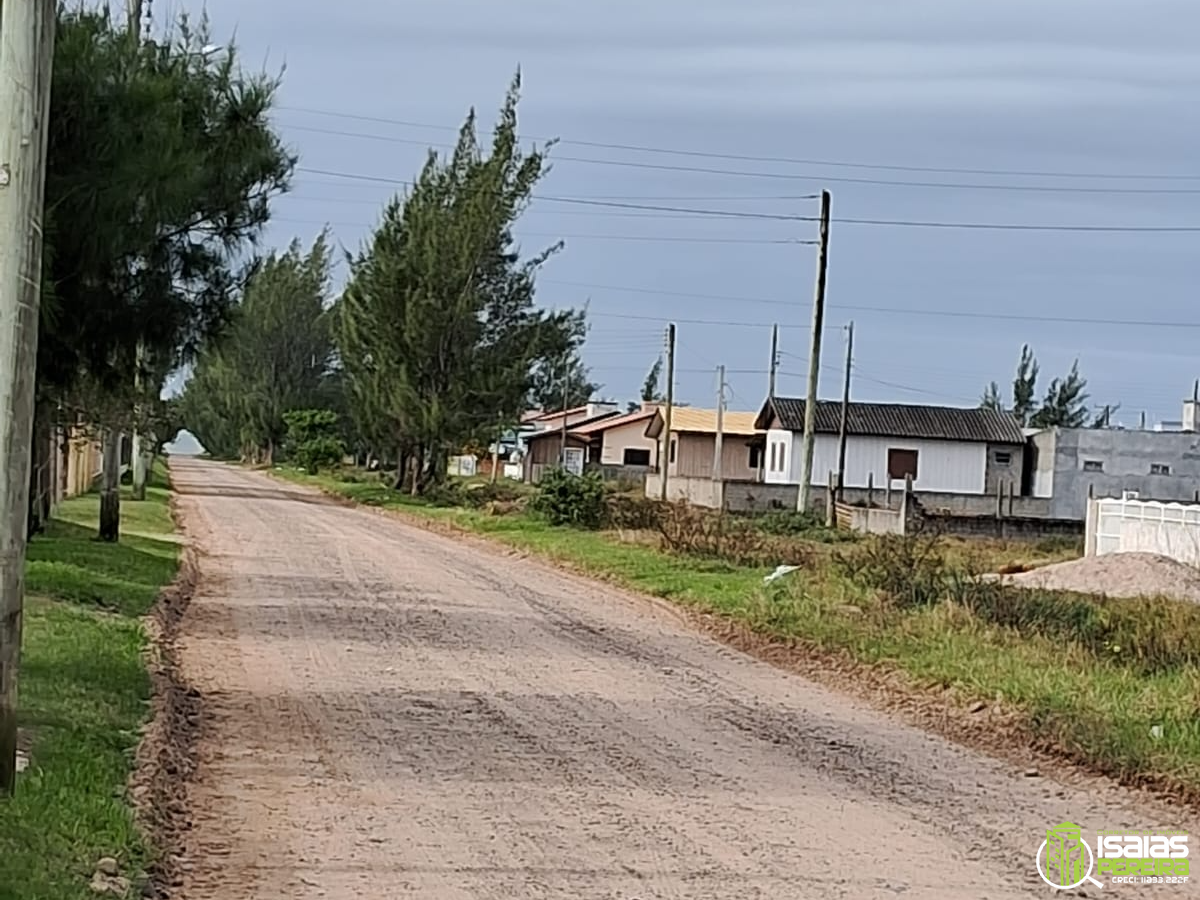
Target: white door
<point x="573" y="461"/>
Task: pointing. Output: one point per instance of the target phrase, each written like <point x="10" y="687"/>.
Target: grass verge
<point x="1046" y="666"/>
<point x="83" y="693"/>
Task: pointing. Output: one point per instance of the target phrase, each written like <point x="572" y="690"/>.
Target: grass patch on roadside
<point x="1092" y="677"/>
<point x="83" y="695"/>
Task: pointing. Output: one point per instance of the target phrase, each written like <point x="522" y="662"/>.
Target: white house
<point x="945" y="449"/>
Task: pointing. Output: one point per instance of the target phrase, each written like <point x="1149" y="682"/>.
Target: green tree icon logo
<point x="1066" y="856"/>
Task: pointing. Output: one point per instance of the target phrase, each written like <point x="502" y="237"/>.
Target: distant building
<point x="944" y="449"/>
<point x="1163" y="464"/>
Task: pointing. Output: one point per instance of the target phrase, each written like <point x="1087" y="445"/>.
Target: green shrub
<point x="481" y="494"/>
<point x="632" y="513"/>
<point x="566" y="499"/>
<point x="808" y="525"/>
<point x="695" y="531"/>
<point x="313" y="439"/>
<point x="909" y="570"/>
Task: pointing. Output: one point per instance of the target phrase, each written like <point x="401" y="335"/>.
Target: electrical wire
<point x="886" y="310"/>
<point x="786" y="160"/>
<point x="784" y="176"/>
<point x="892" y="223"/>
<point x="552" y="236"/>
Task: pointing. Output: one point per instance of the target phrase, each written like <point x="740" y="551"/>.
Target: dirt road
<point x="391" y="713"/>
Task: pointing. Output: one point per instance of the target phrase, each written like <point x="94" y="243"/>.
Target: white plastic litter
<point x="779" y="572"/>
<point x="1156" y="732"/>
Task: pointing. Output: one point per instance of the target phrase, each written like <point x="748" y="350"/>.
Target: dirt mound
<point x="1117" y="575"/>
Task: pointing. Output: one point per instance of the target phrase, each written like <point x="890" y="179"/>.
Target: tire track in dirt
<point x="399" y="714"/>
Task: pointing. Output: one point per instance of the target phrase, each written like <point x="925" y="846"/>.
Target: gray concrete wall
<point x="952" y="504"/>
<point x="1003" y="469"/>
<point x="1125" y="458"/>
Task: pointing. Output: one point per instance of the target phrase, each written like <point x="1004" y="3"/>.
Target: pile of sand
<point x="1117" y="575"/>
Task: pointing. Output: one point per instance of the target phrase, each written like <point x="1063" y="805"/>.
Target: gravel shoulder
<point x="393" y="713"/>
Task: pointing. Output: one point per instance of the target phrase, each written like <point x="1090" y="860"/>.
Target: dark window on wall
<point x="774" y="454"/>
<point x="902" y="464"/>
<point x="671" y="458"/>
<point x="1160" y="469"/>
<point x="1003" y="458"/>
<point x="1093" y="465"/>
<point x="636" y="456"/>
<point x="755" y="456"/>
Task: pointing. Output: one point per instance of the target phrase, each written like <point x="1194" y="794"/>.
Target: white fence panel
<point x="1147" y="526"/>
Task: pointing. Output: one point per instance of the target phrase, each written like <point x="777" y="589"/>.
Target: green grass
<point x="83" y="695"/>
<point x="1097" y="704"/>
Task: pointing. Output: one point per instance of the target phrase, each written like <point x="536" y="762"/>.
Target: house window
<point x="782" y="454"/>
<point x="774" y="454"/>
<point x="1093" y="465"/>
<point x="636" y="456"/>
<point x="671" y="458"/>
<point x="902" y="464"/>
<point x="755" y="456"/>
<point x="1160" y="469"/>
<point x="1003" y="458"/>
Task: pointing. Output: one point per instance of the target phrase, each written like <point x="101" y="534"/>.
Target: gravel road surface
<point x="391" y="713"/>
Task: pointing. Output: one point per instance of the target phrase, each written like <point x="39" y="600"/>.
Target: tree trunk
<point x="39" y="486"/>
<point x="110" y="492"/>
<point x="401" y="469"/>
<point x="269" y="454"/>
<point x="418" y="456"/>
<point x="137" y="460"/>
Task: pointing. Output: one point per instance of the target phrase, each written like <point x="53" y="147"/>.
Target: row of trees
<point x="161" y="165"/>
<point x="1065" y="402"/>
<point x="435" y="344"/>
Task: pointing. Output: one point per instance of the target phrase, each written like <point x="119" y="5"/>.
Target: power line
<point x="886" y="310"/>
<point x="584" y="201"/>
<point x="786" y="176"/>
<point x="742" y="157"/>
<point x="654" y="216"/>
<point x="893" y="223"/>
<point x="552" y="236"/>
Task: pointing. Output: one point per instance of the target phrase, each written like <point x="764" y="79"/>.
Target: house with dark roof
<point x="613" y="442"/>
<point x="944" y="449"/>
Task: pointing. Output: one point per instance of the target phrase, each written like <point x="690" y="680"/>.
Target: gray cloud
<point x="1074" y="85"/>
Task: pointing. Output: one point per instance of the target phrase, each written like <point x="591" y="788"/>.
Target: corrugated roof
<point x="703" y="421"/>
<point x="571" y="429"/>
<point x="902" y="420"/>
<point x="595" y="426"/>
<point x="556" y="413"/>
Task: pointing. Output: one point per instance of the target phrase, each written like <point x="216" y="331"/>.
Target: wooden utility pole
<point x="774" y="368"/>
<point x="664" y="453"/>
<point x="814" y="358"/>
<point x="718" y="441"/>
<point x="841" y="469"/>
<point x="26" y="59"/>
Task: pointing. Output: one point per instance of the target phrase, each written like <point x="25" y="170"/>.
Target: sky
<point x="1072" y="113"/>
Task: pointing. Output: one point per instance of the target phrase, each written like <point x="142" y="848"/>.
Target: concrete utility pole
<point x="718" y="462"/>
<point x="814" y="359"/>
<point x="774" y="368"/>
<point x="137" y="456"/>
<point x="26" y="60"/>
<point x="137" y="459"/>
<point x="841" y="470"/>
<point x="562" y="440"/>
<point x="664" y="453"/>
